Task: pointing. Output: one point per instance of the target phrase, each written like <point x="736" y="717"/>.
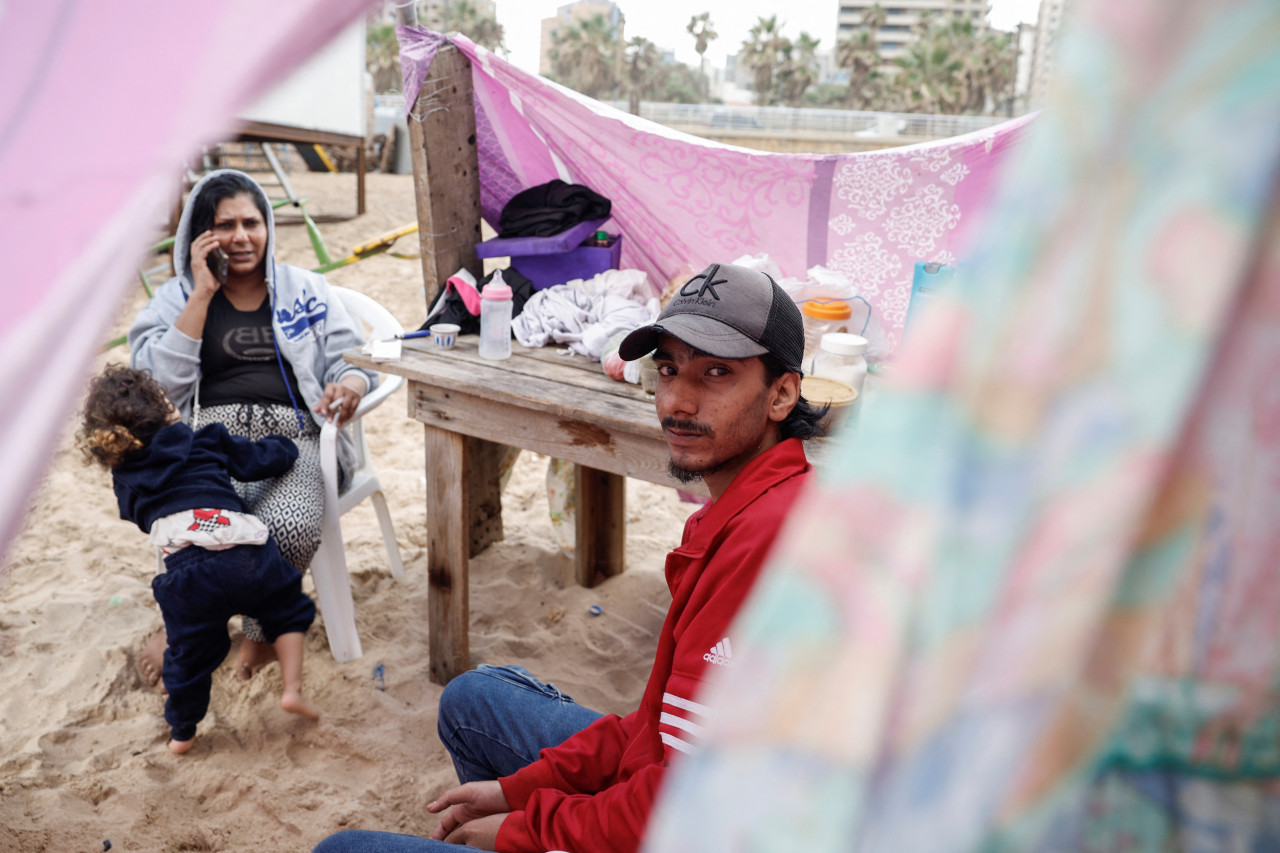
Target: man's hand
<point x="468" y="804"/>
<point x="481" y="833"/>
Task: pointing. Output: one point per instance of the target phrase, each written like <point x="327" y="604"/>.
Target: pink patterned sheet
<point x="684" y="201"/>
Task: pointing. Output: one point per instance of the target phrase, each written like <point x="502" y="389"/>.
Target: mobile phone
<point x="217" y="260"/>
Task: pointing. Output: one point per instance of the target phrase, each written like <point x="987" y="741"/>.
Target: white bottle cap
<point x="843" y="343"/>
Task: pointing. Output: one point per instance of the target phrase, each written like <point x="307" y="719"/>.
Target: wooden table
<point x="539" y="399"/>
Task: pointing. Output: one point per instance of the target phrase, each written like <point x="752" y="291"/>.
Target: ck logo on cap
<point x="709" y="282"/>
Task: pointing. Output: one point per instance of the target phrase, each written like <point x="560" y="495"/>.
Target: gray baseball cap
<point x="730" y="312"/>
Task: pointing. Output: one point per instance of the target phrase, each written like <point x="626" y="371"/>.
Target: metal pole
<point x="407" y="12"/>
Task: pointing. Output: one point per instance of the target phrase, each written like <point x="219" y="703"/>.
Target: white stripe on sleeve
<point x="675" y="743"/>
<point x="684" y="704"/>
<point x="681" y="723"/>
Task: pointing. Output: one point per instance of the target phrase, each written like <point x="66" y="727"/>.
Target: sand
<point x="82" y="738"/>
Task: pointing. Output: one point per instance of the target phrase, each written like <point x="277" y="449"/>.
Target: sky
<point x="663" y="22"/>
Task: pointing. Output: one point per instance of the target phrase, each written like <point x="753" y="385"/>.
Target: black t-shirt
<point x="238" y="357"/>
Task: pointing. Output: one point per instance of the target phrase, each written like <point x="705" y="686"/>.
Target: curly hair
<point x="123" y="411"/>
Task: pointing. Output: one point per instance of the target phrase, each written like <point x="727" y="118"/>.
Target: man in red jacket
<point x="541" y="772"/>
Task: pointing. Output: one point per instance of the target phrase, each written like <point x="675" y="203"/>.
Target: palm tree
<point x="703" y="32"/>
<point x="643" y="69"/>
<point x="860" y="53"/>
<point x="382" y="57"/>
<point x="931" y="77"/>
<point x="798" y="68"/>
<point x="584" y="56"/>
<point x="764" y="42"/>
<point x="955" y="67"/>
<point x="873" y="19"/>
<point x="464" y="16"/>
<point x="992" y="67"/>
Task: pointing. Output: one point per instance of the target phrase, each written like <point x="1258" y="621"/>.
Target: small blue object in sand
<point x="595" y="610"/>
<point x="380" y="673"/>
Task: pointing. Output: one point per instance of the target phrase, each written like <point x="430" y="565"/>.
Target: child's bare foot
<point x="181" y="746"/>
<point x="295" y="703"/>
<point x="253" y="657"/>
<point x="150" y="660"/>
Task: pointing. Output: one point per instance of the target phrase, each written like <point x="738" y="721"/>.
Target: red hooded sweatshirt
<point x="594" y="791"/>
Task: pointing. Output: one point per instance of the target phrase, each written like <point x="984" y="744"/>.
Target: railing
<point x="801" y="120"/>
<point x="735" y="120"/>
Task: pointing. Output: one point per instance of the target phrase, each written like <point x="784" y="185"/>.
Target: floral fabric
<point x="687" y="202"/>
<point x="1033" y="603"/>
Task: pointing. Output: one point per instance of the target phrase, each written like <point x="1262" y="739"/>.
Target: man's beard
<point x="684" y="475"/>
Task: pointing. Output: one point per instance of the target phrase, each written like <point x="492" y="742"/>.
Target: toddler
<point x="175" y="484"/>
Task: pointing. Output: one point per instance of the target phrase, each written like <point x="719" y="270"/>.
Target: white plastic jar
<point x="495" y="319"/>
<point x="842" y="357"/>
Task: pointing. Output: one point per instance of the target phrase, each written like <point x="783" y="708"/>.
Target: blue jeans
<point x="364" y="841"/>
<point x="496" y="719"/>
<point x="493" y="720"/>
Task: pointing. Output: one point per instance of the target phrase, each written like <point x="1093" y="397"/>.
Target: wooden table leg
<point x="601" y="515"/>
<point x="448" y="553"/>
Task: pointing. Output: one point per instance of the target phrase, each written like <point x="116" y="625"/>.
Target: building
<point x="1026" y="41"/>
<point x="1049" y="23"/>
<point x="568" y="14"/>
<point x="901" y="18"/>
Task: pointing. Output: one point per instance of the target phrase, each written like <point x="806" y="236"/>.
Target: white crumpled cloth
<point x="584" y="315"/>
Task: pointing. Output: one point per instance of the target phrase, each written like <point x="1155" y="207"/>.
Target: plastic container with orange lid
<point x="821" y="316"/>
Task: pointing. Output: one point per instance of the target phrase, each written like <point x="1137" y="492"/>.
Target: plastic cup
<point x="445" y="335"/>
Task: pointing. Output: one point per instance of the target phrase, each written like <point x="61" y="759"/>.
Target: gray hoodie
<point x="311" y="328"/>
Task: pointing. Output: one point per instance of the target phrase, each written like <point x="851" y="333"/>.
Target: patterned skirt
<point x="292" y="504"/>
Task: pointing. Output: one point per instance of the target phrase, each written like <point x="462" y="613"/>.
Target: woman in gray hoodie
<point x="239" y="339"/>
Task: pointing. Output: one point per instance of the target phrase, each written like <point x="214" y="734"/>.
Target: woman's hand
<point x="474" y="813"/>
<point x="205" y="283"/>
<point x="339" y="401"/>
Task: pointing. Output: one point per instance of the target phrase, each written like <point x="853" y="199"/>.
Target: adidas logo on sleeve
<point x="721" y="654"/>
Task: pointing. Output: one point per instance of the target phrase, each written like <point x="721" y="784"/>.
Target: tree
<point x="382" y="57"/>
<point x="930" y="79"/>
<point x="860" y="53"/>
<point x="703" y="32"/>
<point x="797" y="69"/>
<point x="643" y="65"/>
<point x="584" y="56"/>
<point x="761" y="48"/>
<point x="954" y="67"/>
<point x="991" y="69"/>
<point x="831" y="96"/>
<point x="676" y="83"/>
<point x="464" y="16"/>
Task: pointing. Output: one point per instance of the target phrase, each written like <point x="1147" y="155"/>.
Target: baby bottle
<point x="495" y="319"/>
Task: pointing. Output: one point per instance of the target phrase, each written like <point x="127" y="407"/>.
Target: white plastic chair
<point x="329" y="566"/>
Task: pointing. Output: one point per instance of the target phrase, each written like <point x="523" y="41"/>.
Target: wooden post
<point x="361" y="166"/>
<point x="485" y="461"/>
<point x="600" y="537"/>
<point x="442" y="136"/>
<point x="448" y="620"/>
